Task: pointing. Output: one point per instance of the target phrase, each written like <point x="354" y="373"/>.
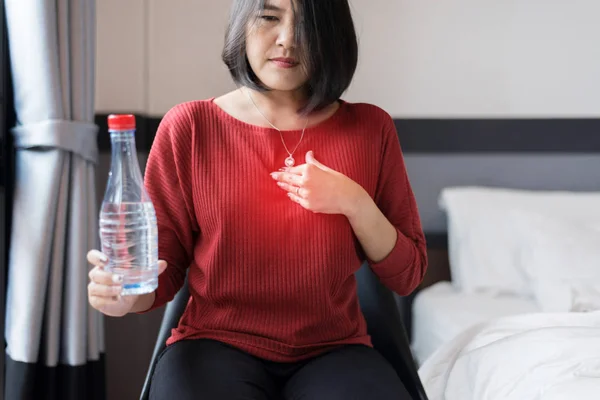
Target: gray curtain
<point x="54" y="340"/>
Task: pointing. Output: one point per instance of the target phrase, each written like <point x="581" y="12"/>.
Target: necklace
<point x="289" y="161"/>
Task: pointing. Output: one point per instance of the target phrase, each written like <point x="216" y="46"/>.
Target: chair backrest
<point x="173" y="312"/>
<point x="384" y="325"/>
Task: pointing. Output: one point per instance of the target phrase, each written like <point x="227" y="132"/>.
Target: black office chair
<point x="383" y="324"/>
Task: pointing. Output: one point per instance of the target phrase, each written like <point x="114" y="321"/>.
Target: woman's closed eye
<point x="269" y="18"/>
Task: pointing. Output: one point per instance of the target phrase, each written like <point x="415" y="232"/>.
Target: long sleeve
<point x="168" y="180"/>
<point x="404" y="268"/>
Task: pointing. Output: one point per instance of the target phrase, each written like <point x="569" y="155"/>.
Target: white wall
<point x="426" y="58"/>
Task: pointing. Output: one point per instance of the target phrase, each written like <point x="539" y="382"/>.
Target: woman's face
<point x="271" y="47"/>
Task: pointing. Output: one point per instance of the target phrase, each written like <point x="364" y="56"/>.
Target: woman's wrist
<point x="355" y="202"/>
<point x="143" y="302"/>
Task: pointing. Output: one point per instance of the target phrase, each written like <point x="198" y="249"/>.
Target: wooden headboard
<point x="438" y="268"/>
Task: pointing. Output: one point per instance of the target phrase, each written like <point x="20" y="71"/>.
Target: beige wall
<point x="166" y="53"/>
<point x="120" y="55"/>
<point x="424" y="58"/>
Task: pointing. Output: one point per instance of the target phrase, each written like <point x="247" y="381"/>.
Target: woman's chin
<point x="283" y="85"/>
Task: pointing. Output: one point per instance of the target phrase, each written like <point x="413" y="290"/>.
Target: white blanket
<point x="538" y="356"/>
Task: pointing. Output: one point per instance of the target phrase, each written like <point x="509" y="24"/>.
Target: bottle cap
<point x="121" y="122"/>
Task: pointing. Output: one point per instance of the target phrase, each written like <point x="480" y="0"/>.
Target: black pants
<point x="210" y="370"/>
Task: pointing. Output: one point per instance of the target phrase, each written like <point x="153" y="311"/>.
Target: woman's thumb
<point x="310" y="159"/>
<point x="162" y="265"/>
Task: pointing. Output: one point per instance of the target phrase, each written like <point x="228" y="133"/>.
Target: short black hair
<point x="327" y="35"/>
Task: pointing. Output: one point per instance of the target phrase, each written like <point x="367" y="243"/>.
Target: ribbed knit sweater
<point x="266" y="275"/>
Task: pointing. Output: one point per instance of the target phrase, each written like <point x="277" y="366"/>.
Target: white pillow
<point x="483" y="244"/>
<point x="562" y="261"/>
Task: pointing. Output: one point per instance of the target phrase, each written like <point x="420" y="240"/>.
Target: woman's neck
<point x="279" y="108"/>
<point x="278" y="103"/>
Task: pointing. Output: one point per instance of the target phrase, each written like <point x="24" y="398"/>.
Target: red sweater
<point x="266" y="275"/>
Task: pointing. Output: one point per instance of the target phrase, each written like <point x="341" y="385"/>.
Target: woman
<point x="273" y="195"/>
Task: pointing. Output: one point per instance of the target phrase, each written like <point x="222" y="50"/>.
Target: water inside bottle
<point x="130" y="241"/>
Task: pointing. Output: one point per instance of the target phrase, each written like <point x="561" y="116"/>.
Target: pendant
<point x="289" y="162"/>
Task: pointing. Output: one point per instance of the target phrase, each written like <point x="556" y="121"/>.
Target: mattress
<point x="440" y="312"/>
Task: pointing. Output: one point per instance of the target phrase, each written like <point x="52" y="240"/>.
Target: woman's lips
<point x="284" y="63"/>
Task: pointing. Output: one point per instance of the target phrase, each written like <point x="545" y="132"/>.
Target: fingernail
<point x="284" y="169"/>
<point x="274" y="175"/>
<point x="117" y="278"/>
<point x="103" y="258"/>
<point x="280" y="184"/>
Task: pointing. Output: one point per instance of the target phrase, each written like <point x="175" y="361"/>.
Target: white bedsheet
<point x="539" y="356"/>
<point x="440" y="313"/>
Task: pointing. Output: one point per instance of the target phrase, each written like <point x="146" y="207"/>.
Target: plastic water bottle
<point x="128" y="230"/>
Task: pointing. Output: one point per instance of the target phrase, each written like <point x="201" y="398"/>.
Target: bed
<point x="441" y="312"/>
<point x="508" y="206"/>
<point x="549" y="356"/>
<point x="519" y="317"/>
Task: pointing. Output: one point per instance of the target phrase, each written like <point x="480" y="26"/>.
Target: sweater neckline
<point x="331" y="120"/>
